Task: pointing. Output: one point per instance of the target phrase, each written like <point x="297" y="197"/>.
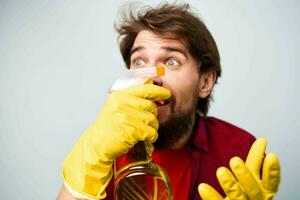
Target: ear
<point x="207" y="82"/>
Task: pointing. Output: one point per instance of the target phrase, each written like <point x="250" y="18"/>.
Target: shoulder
<point x="225" y="128"/>
<point x="227" y="137"/>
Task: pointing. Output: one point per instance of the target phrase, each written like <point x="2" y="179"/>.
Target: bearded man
<point x="192" y="147"/>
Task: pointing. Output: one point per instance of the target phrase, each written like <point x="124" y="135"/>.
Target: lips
<point x="162" y="103"/>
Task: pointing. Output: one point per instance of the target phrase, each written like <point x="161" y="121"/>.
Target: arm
<point x="64" y="194"/>
<point x="128" y="116"/>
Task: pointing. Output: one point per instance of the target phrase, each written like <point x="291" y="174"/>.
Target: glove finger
<point x="271" y="173"/>
<point x="255" y="156"/>
<point x="245" y="178"/>
<point x="136" y="130"/>
<point x="133" y="114"/>
<point x="208" y="193"/>
<point x="148" y="91"/>
<point x="229" y="184"/>
<point x="120" y="101"/>
<point x="128" y="134"/>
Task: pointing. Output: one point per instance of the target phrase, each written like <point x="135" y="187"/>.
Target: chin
<point x="163" y="115"/>
<point x="162" y="119"/>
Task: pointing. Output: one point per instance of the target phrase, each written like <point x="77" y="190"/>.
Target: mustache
<point x="172" y="102"/>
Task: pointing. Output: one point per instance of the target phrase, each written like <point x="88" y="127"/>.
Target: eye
<point x="172" y="62"/>
<point x="138" y="62"/>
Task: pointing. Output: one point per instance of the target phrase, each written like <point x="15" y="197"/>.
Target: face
<point x="181" y="70"/>
<point x="181" y="78"/>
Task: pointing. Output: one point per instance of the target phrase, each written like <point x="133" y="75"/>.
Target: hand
<point x="245" y="182"/>
<point x="128" y="116"/>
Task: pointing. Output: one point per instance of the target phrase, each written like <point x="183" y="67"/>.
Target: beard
<point x="178" y="125"/>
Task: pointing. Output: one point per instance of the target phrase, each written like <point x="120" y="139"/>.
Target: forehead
<point x="150" y="40"/>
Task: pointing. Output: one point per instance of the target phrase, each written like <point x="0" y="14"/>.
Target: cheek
<point x="182" y="86"/>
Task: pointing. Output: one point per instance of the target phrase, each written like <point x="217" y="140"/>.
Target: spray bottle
<point x="136" y="176"/>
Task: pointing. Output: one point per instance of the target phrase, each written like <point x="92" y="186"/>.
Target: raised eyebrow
<point x="179" y="50"/>
<point x="136" y="49"/>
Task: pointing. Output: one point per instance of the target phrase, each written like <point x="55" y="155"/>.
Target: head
<point x="172" y="35"/>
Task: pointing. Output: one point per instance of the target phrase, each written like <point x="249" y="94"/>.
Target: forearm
<point x="64" y="194"/>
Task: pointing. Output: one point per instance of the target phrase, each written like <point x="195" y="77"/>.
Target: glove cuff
<point x="85" y="196"/>
<point x="78" y="195"/>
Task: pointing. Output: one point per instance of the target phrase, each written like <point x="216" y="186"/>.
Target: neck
<point x="186" y="137"/>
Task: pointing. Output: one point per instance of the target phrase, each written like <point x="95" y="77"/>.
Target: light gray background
<point x="58" y="59"/>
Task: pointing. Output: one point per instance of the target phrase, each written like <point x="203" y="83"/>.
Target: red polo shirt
<point x="214" y="143"/>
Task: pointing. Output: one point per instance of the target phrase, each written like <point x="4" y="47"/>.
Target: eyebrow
<point x="179" y="50"/>
<point x="136" y="49"/>
<point x="169" y="49"/>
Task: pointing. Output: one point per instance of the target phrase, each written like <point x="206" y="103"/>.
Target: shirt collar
<point x="200" y="137"/>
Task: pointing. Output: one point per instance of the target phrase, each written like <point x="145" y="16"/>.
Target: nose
<point x="157" y="81"/>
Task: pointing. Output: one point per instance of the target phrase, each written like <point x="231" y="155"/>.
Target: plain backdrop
<point x="59" y="58"/>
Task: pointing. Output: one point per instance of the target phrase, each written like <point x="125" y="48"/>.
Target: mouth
<point x="162" y="103"/>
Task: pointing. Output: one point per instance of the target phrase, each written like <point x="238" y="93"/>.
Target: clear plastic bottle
<point x="136" y="176"/>
<point x="137" y="77"/>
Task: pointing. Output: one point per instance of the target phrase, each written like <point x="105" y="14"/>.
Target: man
<point x="190" y="146"/>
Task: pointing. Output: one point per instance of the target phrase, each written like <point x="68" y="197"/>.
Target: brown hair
<point x="174" y="21"/>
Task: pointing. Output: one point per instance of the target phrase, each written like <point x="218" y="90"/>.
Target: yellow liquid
<point x="142" y="181"/>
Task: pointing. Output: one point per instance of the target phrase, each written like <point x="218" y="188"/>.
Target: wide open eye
<point x="172" y="62"/>
<point x="138" y="63"/>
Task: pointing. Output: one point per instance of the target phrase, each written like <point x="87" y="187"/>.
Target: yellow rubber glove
<point x="245" y="181"/>
<point x="128" y="116"/>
